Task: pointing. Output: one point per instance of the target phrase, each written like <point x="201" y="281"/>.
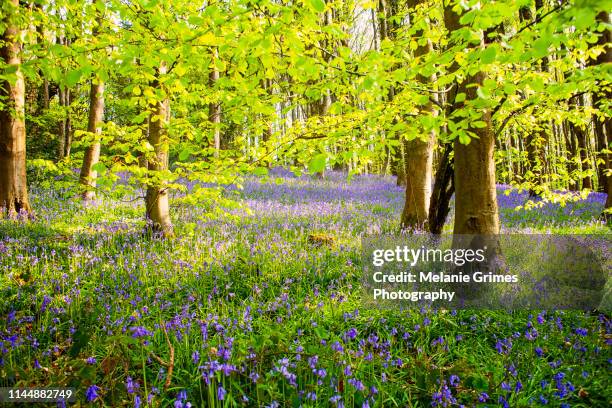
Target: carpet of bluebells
<point x="243" y="309"/>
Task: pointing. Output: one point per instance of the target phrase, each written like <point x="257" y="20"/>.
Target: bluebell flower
<point x="221" y="393"/>
<point x="92" y="393"/>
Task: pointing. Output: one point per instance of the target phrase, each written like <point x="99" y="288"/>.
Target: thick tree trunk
<point x="418" y="175"/>
<point x="157" y="208"/>
<point x="418" y="157"/>
<point x="94" y="126"/>
<point x="13" y="185"/>
<point x="476" y="210"/>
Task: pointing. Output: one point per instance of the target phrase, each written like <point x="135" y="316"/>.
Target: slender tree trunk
<point x="13" y="184"/>
<point x="65" y="126"/>
<point x="602" y="144"/>
<point x="443" y="190"/>
<point x="532" y="140"/>
<point x="572" y="155"/>
<point x="418" y="156"/>
<point x="476" y="210"/>
<point x="61" y="147"/>
<point x="45" y="93"/>
<point x="44" y="88"/>
<point x="267" y="133"/>
<point x="214" y="108"/>
<point x="158" y="211"/>
<point x="603" y="129"/>
<point x="68" y="140"/>
<point x="94" y="126"/>
<point x="608" y="206"/>
<point x="388" y="29"/>
<point x="582" y="140"/>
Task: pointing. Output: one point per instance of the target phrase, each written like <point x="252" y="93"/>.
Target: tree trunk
<point x="388" y="27"/>
<point x="532" y="142"/>
<point x="94" y="126"/>
<point x="418" y="175"/>
<point x="582" y="140"/>
<point x="608" y="206"/>
<point x="442" y="192"/>
<point x="214" y="108"/>
<point x="418" y="156"/>
<point x="476" y="210"/>
<point x="69" y="131"/>
<point x="572" y="155"/>
<point x="61" y="147"/>
<point x="13" y="184"/>
<point x="603" y="129"/>
<point x="267" y="133"/>
<point x="158" y="211"/>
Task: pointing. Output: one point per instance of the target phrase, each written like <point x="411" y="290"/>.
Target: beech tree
<point x="157" y="208"/>
<point x="94" y="128"/>
<point x="462" y="94"/>
<point x="476" y="210"/>
<point x="13" y="184"/>
<point x="418" y="155"/>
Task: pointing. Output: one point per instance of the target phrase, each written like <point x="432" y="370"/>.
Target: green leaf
<point x="460" y="97"/>
<point x="184" y="154"/>
<point x="99" y="167"/>
<point x="318" y="5"/>
<point x="487" y="56"/>
<point x="317" y="163"/>
<point x="260" y="171"/>
<point x="464" y="139"/>
<point x="73" y="77"/>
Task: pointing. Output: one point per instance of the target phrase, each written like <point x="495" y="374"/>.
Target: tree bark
<point x="603" y="129"/>
<point x="533" y="137"/>
<point x="157" y="208"/>
<point x="608" y="206"/>
<point x="68" y="142"/>
<point x="418" y="156"/>
<point x="572" y="153"/>
<point x="267" y="133"/>
<point x="214" y="108"/>
<point x="476" y="210"/>
<point x="62" y="125"/>
<point x="581" y="139"/>
<point x="443" y="190"/>
<point x="94" y="126"/>
<point x="13" y="184"/>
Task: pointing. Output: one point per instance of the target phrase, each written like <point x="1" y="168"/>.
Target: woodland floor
<point x="241" y="309"/>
